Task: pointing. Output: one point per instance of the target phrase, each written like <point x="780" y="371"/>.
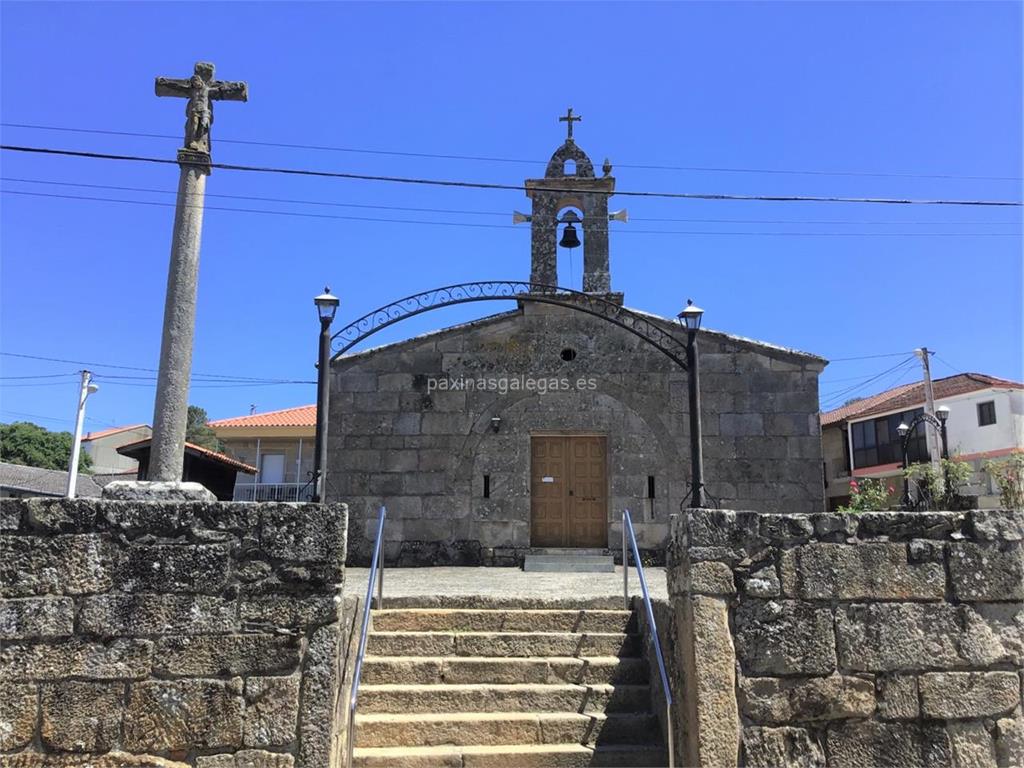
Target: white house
<point x="986" y="421"/>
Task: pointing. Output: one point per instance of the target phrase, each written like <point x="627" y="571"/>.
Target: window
<point x="650" y="486"/>
<point x="986" y="413"/>
<point x="487" y="486"/>
<point x="877" y="441"/>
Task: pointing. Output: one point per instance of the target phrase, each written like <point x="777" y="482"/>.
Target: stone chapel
<point x="536" y="427"/>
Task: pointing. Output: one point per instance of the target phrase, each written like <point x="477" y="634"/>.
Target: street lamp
<point x="906" y="431"/>
<point x="84" y="391"/>
<point x="326" y="306"/>
<point x="690" y="319"/>
<point x="903" y="430"/>
<point x="942" y="412"/>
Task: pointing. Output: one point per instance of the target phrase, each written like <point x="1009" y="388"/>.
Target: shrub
<point x="869" y="495"/>
<point x="1009" y="476"/>
<point x="933" y="490"/>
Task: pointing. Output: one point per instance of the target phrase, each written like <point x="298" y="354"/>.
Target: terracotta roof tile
<point x="301" y="416"/>
<point x="907" y="396"/>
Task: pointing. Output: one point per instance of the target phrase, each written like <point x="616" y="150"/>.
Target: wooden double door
<point x="569" y="491"/>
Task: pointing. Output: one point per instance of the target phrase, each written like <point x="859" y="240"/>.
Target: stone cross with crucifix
<point x="201" y="90"/>
<point x="570" y="119"/>
<point x="170" y="413"/>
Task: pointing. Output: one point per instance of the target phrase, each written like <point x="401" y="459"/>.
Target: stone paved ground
<point x="455" y="587"/>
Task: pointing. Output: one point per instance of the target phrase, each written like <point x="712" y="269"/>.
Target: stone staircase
<point x="505" y="687"/>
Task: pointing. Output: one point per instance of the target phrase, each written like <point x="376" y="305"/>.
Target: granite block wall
<point x="411" y="427"/>
<point x="849" y="641"/>
<point x="170" y="634"/>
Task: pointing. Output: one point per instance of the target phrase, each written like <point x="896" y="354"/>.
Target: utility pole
<point x="84" y="391"/>
<point x="929" y="406"/>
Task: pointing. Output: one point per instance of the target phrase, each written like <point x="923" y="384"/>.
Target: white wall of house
<point x="966" y="437"/>
<point x="103" y="450"/>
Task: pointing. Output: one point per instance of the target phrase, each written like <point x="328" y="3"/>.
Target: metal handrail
<point x="627" y="529"/>
<point x="378" y="575"/>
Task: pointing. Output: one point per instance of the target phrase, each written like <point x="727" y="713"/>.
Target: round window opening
<point x="568" y="354"/>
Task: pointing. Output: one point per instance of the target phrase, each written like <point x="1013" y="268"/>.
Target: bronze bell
<point x="569" y="237"/>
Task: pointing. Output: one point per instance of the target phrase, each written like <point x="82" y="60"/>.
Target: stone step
<point x="592" y="551"/>
<point x="500" y="620"/>
<point x="486" y="697"/>
<point x="433" y="670"/>
<point x="570" y="602"/>
<point x="569" y="563"/>
<point x="510" y="756"/>
<point x="494" y="728"/>
<point x="517" y="644"/>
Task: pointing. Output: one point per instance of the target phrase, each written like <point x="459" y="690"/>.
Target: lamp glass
<point x="691" y="316"/>
<point x="326" y="304"/>
<point x="902" y="429"/>
<point x="942" y="412"/>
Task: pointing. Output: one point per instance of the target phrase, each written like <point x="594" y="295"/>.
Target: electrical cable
<point x="93" y="365"/>
<point x="293" y="201"/>
<point x="641" y="166"/>
<point x="307" y="215"/>
<point x="505" y="187"/>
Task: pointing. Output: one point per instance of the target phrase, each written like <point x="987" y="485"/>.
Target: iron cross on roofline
<point x="570" y="119"/>
<point x="201" y="90"/>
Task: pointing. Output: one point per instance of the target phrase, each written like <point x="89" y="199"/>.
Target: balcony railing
<point x="273" y="492"/>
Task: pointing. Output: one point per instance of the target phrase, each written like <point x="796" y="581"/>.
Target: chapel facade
<point x="536" y="427"/>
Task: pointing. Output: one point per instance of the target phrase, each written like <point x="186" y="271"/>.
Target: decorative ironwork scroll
<point x="649" y="329"/>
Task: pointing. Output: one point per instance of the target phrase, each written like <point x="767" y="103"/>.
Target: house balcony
<point x="273" y="492"/>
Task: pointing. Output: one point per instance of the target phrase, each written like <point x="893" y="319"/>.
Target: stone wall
<point x="170" y="634"/>
<point x="398" y="438"/>
<point x="848" y="641"/>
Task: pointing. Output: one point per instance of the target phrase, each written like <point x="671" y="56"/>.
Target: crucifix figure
<point x="201" y="90"/>
<point x="570" y="119"/>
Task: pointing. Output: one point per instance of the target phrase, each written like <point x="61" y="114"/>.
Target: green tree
<point x="199" y="432"/>
<point x="23" y="442"/>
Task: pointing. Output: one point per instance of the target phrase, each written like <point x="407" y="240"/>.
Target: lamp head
<point x="903" y="429"/>
<point x="942" y="413"/>
<point x="92" y="388"/>
<point x="326" y="305"/>
<point x="495" y="423"/>
<point x="690" y="317"/>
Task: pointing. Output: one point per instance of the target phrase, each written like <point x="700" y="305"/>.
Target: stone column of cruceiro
<point x="171" y="408"/>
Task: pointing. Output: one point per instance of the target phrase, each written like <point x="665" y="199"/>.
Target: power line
<point x="476" y="158"/>
<point x="40" y="376"/>
<point x="93" y="365"/>
<point x="488" y="213"/>
<point x="377" y="219"/>
<point x="55" y="418"/>
<point x="869" y="357"/>
<point x="506" y="187"/>
<point x="835" y="397"/>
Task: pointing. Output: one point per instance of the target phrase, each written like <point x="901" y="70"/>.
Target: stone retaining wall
<point x="850" y="641"/>
<point x="170" y="634"/>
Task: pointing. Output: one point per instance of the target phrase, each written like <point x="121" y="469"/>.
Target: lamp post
<point x="84" y="391"/>
<point x="690" y="319"/>
<point x="326" y="306"/>
<point x="906" y="431"/>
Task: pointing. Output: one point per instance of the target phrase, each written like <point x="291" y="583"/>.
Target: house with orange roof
<point x="279" y="444"/>
<point x="102" y="445"/>
<point x="860" y="439"/>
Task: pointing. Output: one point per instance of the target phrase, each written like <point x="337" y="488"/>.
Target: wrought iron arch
<point x="509" y="290"/>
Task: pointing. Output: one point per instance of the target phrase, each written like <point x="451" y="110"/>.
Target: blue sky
<point x="923" y="94"/>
